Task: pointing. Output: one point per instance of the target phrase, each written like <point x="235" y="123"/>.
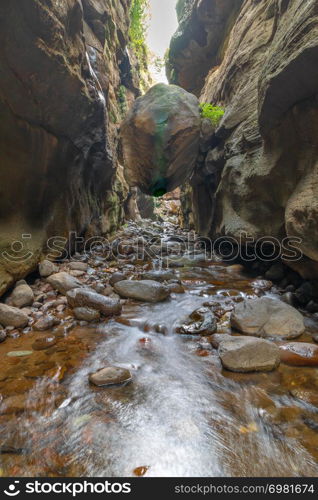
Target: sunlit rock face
<point x="160" y="139"/>
<point x="259" y="174"/>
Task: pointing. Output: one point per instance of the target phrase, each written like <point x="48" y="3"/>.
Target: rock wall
<point x="67" y="75"/>
<point x="259" y="60"/>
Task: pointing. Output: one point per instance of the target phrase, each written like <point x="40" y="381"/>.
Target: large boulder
<point x="267" y="317"/>
<point x="160" y="139"/>
<point x="12" y="316"/>
<point x="144" y="290"/>
<point x="22" y="295"/>
<point x="247" y="354"/>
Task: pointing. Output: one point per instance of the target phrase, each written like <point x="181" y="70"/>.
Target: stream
<point x="182" y="414"/>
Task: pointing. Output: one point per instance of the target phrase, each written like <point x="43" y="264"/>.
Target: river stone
<point x="203" y="323"/>
<point x="299" y="354"/>
<point x="19" y="354"/>
<point x="160" y="138"/>
<point x="83" y="297"/>
<point x="63" y="282"/>
<point x="112" y="375"/>
<point x="159" y="275"/>
<point x="144" y="290"/>
<point x="86" y="314"/>
<point x="78" y="266"/>
<point x="22" y="295"/>
<point x="46" y="322"/>
<point x="267" y="317"/>
<point x="217" y="338"/>
<point x="12" y="316"/>
<point x="43" y="342"/>
<point x="46" y="268"/>
<point x="3" y="335"/>
<point x="116" y="277"/>
<point x="248" y="354"/>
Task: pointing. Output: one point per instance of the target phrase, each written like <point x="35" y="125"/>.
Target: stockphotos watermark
<point x="228" y="249"/>
<point x="72" y="488"/>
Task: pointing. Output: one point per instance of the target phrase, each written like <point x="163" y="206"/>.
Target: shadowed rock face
<point x="62" y="63"/>
<point x="160" y="139"/>
<point x="259" y="175"/>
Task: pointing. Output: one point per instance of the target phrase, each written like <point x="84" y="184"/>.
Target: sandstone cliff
<point x="259" y="60"/>
<point x="66" y="73"/>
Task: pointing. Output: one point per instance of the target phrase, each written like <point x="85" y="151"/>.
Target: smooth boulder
<point x="86" y="314"/>
<point x="63" y="282"/>
<point x="267" y="317"/>
<point x="22" y="295"/>
<point x="144" y="290"/>
<point x="82" y="297"/>
<point x="12" y="316"/>
<point x="160" y="139"/>
<point x="248" y="354"/>
<point x="46" y="268"/>
<point x="111" y="375"/>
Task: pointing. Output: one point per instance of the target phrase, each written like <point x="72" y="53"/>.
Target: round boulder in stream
<point x="111" y="375"/>
<point x="246" y="354"/>
<point x="267" y="317"/>
<point x="84" y="297"/>
<point x="144" y="290"/>
<point x="160" y="139"/>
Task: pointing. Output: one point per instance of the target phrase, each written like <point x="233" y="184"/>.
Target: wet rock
<point x="276" y="272"/>
<point x="13" y="404"/>
<point x="312" y="307"/>
<point x="22" y="295"/>
<point x="18" y="354"/>
<point x="217" y="338"/>
<point x="46" y="268"/>
<point x="247" y="354"/>
<point x="116" y="277"/>
<point x="78" y="266"/>
<point x="144" y="290"/>
<point x="160" y="139"/>
<point x="43" y="342"/>
<point x="111" y="375"/>
<point x="202" y="322"/>
<point x="288" y="298"/>
<point x="175" y="288"/>
<point x="304" y="293"/>
<point x="63" y="282"/>
<point x="267" y="317"/>
<point x="299" y="354"/>
<point x="86" y="314"/>
<point x="305" y="395"/>
<point x="46" y="323"/>
<point x="3" y="335"/>
<point x="82" y="297"/>
<point x="77" y="274"/>
<point x="12" y="316"/>
<point x="159" y="275"/>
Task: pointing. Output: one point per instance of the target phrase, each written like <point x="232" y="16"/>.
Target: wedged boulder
<point x="160" y="139"/>
<point x="201" y="322"/>
<point x="144" y="290"/>
<point x="22" y="295"/>
<point x="82" y="297"/>
<point x="267" y="317"/>
<point x="63" y="282"/>
<point x="299" y="354"/>
<point x="12" y="316"/>
<point x="46" y="268"/>
<point x="248" y="354"/>
<point x="111" y="375"/>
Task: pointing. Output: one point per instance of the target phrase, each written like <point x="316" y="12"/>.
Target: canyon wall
<point x="259" y="172"/>
<point x="67" y="75"/>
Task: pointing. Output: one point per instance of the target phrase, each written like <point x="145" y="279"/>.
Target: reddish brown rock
<point x="299" y="354"/>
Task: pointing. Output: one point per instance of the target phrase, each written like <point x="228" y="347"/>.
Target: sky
<point x="162" y="25"/>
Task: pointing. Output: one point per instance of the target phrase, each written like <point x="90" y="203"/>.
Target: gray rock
<point x="159" y="275"/>
<point x="203" y="323"/>
<point x="116" y="277"/>
<point x="86" y="314"/>
<point x="83" y="297"/>
<point x="22" y="295"/>
<point x="247" y="354"/>
<point x="3" y="335"/>
<point x="112" y="375"/>
<point x="78" y="266"/>
<point x="267" y="317"/>
<point x="63" y="282"/>
<point x="46" y="323"/>
<point x="144" y="290"/>
<point x="46" y="268"/>
<point x="12" y="316"/>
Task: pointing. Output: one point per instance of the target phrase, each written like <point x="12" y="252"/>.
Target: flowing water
<point x="182" y="415"/>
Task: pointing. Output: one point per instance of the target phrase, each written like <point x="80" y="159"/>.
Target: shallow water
<point x="182" y="415"/>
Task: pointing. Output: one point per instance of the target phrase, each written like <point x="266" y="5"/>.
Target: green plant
<point x="213" y="113"/>
<point x="122" y="101"/>
<point x="138" y="26"/>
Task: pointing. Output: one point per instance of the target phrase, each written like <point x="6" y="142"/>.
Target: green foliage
<point x="138" y="26"/>
<point x="122" y="101"/>
<point x="213" y="113"/>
